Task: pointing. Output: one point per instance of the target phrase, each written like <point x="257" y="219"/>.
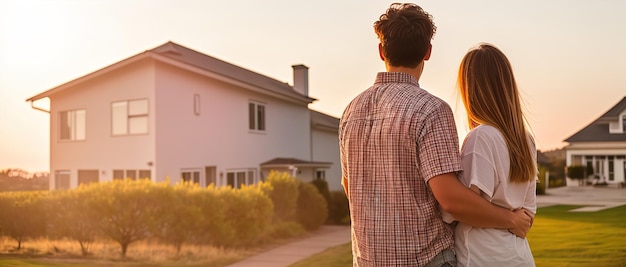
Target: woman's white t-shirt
<point x="485" y="160"/>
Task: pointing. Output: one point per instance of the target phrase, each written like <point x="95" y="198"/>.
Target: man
<point x="400" y="158"/>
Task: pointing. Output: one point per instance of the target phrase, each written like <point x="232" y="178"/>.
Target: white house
<point x="175" y="113"/>
<point x="601" y="146"/>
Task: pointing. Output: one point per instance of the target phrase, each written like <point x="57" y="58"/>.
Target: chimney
<point x="301" y="79"/>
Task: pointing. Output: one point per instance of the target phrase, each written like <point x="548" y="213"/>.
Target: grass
<point x="559" y="238"/>
<point x="65" y="253"/>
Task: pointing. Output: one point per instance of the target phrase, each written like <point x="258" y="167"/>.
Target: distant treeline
<point x="20" y="180"/>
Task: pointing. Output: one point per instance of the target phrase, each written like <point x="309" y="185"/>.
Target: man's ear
<point x="380" y="52"/>
<point x="427" y="56"/>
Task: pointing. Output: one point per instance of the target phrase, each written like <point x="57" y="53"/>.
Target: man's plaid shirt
<point x="394" y="137"/>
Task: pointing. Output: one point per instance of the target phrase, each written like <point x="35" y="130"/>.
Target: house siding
<point x="100" y="150"/>
<point x="325" y="147"/>
<point x="219" y="135"/>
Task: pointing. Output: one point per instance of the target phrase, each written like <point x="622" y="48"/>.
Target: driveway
<point x="593" y="198"/>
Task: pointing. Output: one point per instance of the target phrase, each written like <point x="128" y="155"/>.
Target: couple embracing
<point x="415" y="200"/>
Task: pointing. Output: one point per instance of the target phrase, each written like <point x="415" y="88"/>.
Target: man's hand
<point x="522" y="221"/>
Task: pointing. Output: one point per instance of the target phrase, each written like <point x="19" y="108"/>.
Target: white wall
<point x="100" y="150"/>
<point x="219" y="136"/>
<point x="325" y="147"/>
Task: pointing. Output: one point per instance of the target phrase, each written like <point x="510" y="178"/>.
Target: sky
<point x="569" y="56"/>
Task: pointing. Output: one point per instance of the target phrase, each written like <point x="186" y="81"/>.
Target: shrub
<point x="247" y="217"/>
<point x="576" y="172"/>
<point x="312" y="210"/>
<point x="283" y="191"/>
<point x="286" y="230"/>
<point x="339" y="208"/>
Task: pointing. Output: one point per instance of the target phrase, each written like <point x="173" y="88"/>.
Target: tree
<point x="127" y="209"/>
<point x="71" y="216"/>
<point x="22" y="215"/>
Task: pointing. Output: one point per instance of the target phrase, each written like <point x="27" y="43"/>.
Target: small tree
<point x="22" y="215"/>
<point x="127" y="209"/>
<point x="70" y="216"/>
<point x="576" y="172"/>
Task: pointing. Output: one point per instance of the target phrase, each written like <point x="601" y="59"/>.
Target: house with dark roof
<point x="601" y="147"/>
<point x="173" y="113"/>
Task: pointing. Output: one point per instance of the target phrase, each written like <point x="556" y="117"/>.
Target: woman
<point x="498" y="157"/>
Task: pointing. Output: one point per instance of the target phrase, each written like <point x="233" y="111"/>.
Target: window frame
<point x="193" y="174"/>
<point x="241" y="177"/>
<point x="73" y="131"/>
<point x="130" y="115"/>
<point x="58" y="174"/>
<point x="257" y="116"/>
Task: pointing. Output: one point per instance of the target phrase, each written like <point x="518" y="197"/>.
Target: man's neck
<point x="415" y="72"/>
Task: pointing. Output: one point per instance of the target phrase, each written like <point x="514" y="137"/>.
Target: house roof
<point x="175" y="54"/>
<point x="598" y="130"/>
<point x="324" y="122"/>
<point x="284" y="162"/>
<point x="613" y="113"/>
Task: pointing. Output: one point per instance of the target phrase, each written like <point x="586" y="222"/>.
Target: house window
<point x="87" y="176"/>
<point x="130" y="117"/>
<point x="256" y="116"/>
<point x="196" y="104"/>
<point x="320" y="175"/>
<point x="61" y="180"/>
<point x="236" y="179"/>
<point x="72" y="125"/>
<point x="190" y="176"/>
<point x="611" y="169"/>
<point x="624" y="123"/>
<point x="210" y="174"/>
<point x="131" y="174"/>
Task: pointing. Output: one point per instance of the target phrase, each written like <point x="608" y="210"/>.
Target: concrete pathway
<point x="328" y="236"/>
<point x="593" y="198"/>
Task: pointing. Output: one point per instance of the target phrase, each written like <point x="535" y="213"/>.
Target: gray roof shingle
<point x="598" y="131"/>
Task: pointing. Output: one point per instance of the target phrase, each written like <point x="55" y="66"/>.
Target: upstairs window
<point x="72" y="125"/>
<point x="129" y="117"/>
<point x="256" y="116"/>
<point x="624" y="123"/>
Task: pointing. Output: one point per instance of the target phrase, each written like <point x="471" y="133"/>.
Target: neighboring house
<point x="601" y="146"/>
<point x="174" y="113"/>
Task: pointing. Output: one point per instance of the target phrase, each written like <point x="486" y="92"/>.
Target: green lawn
<point x="558" y="238"/>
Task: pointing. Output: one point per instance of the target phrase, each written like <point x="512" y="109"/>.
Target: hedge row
<point x="128" y="211"/>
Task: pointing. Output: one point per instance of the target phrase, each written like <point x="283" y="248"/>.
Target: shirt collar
<point x="396" y="77"/>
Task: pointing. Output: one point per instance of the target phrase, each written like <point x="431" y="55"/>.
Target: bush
<point x="247" y="217"/>
<point x="283" y="230"/>
<point x="576" y="172"/>
<point x="312" y="209"/>
<point x="283" y="191"/>
<point x="339" y="208"/>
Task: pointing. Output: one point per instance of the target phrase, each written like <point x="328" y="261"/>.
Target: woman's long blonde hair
<point x="490" y="95"/>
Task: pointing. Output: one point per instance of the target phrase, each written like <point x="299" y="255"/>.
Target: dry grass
<point x="103" y="252"/>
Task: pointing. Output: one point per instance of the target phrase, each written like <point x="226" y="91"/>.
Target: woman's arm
<point x="470" y="208"/>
